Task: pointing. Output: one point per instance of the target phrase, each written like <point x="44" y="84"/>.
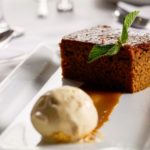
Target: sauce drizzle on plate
<point x="104" y="102"/>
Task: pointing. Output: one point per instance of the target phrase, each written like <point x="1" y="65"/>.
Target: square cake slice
<point x="127" y="71"/>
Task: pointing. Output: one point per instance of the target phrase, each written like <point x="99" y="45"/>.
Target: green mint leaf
<point x="124" y="35"/>
<point x="113" y="51"/>
<point x="128" y="21"/>
<point x="105" y="50"/>
<point x="98" y="51"/>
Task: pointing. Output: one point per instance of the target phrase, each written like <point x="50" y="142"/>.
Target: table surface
<point x="86" y="13"/>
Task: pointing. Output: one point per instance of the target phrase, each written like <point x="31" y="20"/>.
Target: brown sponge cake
<point x="128" y="71"/>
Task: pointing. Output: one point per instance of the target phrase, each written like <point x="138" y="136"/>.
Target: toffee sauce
<point x="104" y="102"/>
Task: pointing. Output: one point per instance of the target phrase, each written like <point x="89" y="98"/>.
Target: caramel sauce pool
<point x="103" y="101"/>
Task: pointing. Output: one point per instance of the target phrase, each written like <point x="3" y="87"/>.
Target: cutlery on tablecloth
<point x="42" y="8"/>
<point x="142" y="21"/>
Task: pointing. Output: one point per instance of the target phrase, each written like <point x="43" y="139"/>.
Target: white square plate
<point x="25" y="81"/>
<point x="127" y="129"/>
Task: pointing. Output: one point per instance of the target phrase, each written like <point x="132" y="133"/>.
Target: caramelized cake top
<point x="104" y="35"/>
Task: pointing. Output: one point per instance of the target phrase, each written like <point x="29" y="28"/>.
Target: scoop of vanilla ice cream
<point x="64" y="114"/>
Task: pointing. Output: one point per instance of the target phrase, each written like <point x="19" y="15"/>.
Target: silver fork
<point x="142" y="21"/>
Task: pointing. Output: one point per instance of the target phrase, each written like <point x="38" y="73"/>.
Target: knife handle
<point x="42" y="8"/>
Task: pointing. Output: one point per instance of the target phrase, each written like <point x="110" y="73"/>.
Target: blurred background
<point x="85" y="13"/>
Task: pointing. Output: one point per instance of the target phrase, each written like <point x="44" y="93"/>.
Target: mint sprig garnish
<point x="128" y="21"/>
<point x="112" y="49"/>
